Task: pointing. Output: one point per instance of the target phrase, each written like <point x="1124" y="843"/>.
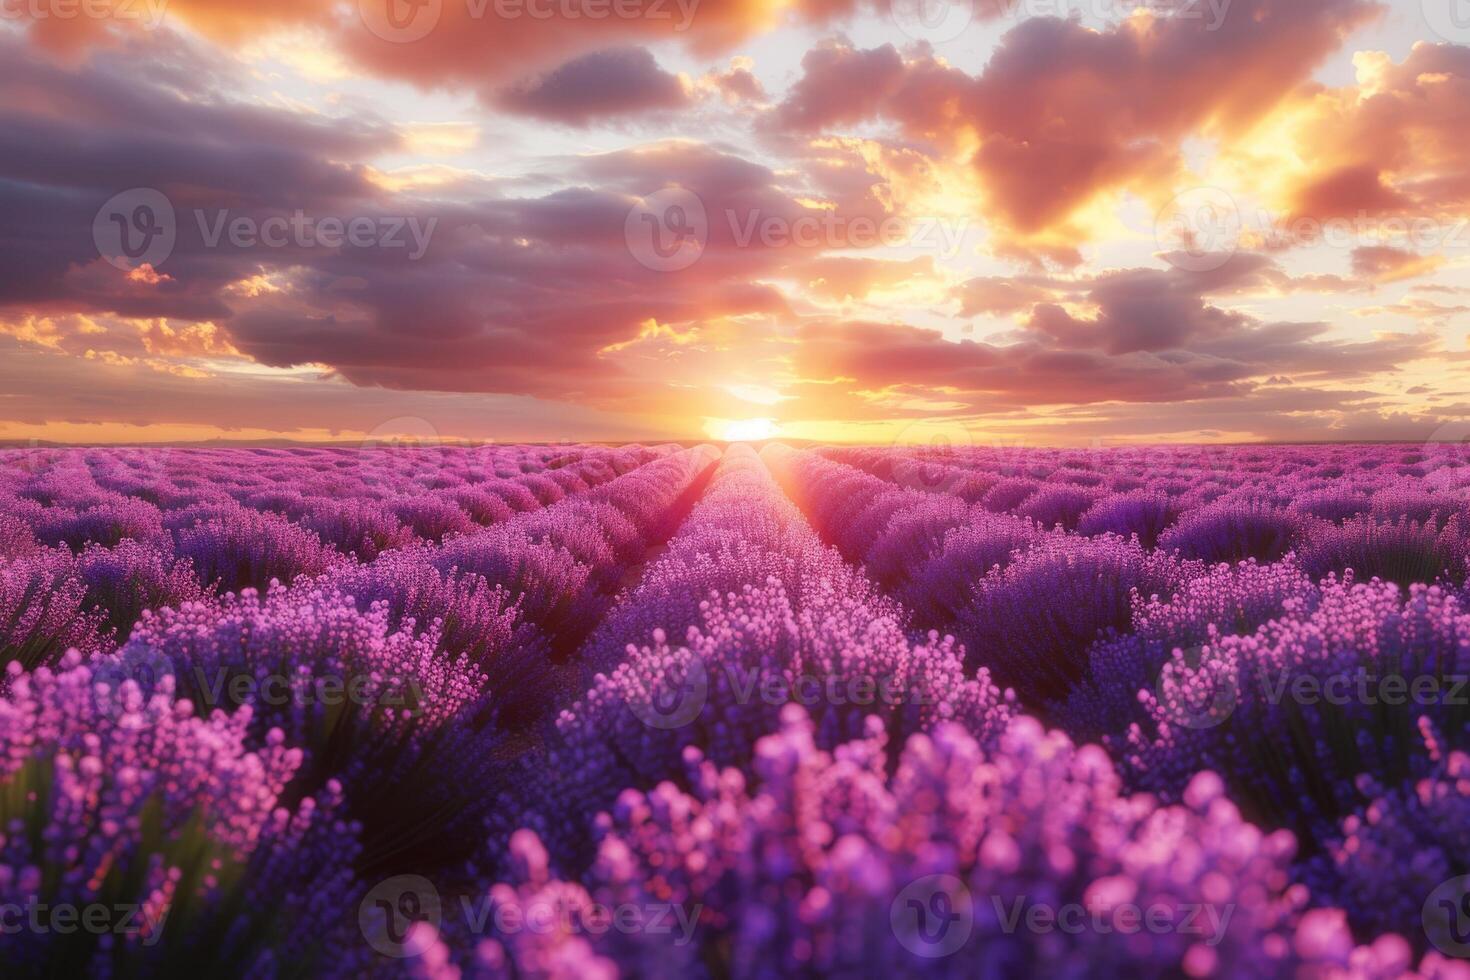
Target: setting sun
<point x="741" y="430"/>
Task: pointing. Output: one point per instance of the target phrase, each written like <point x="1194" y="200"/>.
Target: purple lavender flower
<point x="133" y="578"/>
<point x="942" y="585"/>
<point x="44" y="610"/>
<point x="1033" y="621"/>
<point x="16" y="539"/>
<point x="1333" y="690"/>
<point x="1232" y="530"/>
<point x="1403" y="552"/>
<point x="1061" y="505"/>
<point x="828" y="862"/>
<point x="1141" y="512"/>
<point x="168" y="823"/>
<point x="249" y="549"/>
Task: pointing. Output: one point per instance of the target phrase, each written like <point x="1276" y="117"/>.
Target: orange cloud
<point x="476" y="44"/>
<point x="1063" y="114"/>
<point x="1382" y="264"/>
<point x="1392" y="146"/>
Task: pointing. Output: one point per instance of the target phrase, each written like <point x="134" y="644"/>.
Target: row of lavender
<point x="358" y="502"/>
<point x="93" y="539"/>
<point x="1280" y="676"/>
<point x="762" y="737"/>
<point x="239" y="770"/>
<point x="1217" y="503"/>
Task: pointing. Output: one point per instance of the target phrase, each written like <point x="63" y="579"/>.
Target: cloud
<point x="1381" y="263"/>
<point x="840" y="85"/>
<point x="605" y="84"/>
<point x="738" y="84"/>
<point x="514" y="295"/>
<point x="1062" y="113"/>
<point x="843" y="278"/>
<point x="1002" y="296"/>
<point x="55" y="395"/>
<point x="1418" y="308"/>
<point x="476" y="44"/>
<point x="1034" y="391"/>
<point x="1151" y="336"/>
<point x="1392" y="145"/>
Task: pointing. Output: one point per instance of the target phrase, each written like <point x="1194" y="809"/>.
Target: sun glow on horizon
<point x="741" y="430"/>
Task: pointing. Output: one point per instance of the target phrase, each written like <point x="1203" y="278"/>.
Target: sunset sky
<point x="1015" y="221"/>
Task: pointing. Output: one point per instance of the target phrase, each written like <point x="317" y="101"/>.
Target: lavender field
<point x="657" y="711"/>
